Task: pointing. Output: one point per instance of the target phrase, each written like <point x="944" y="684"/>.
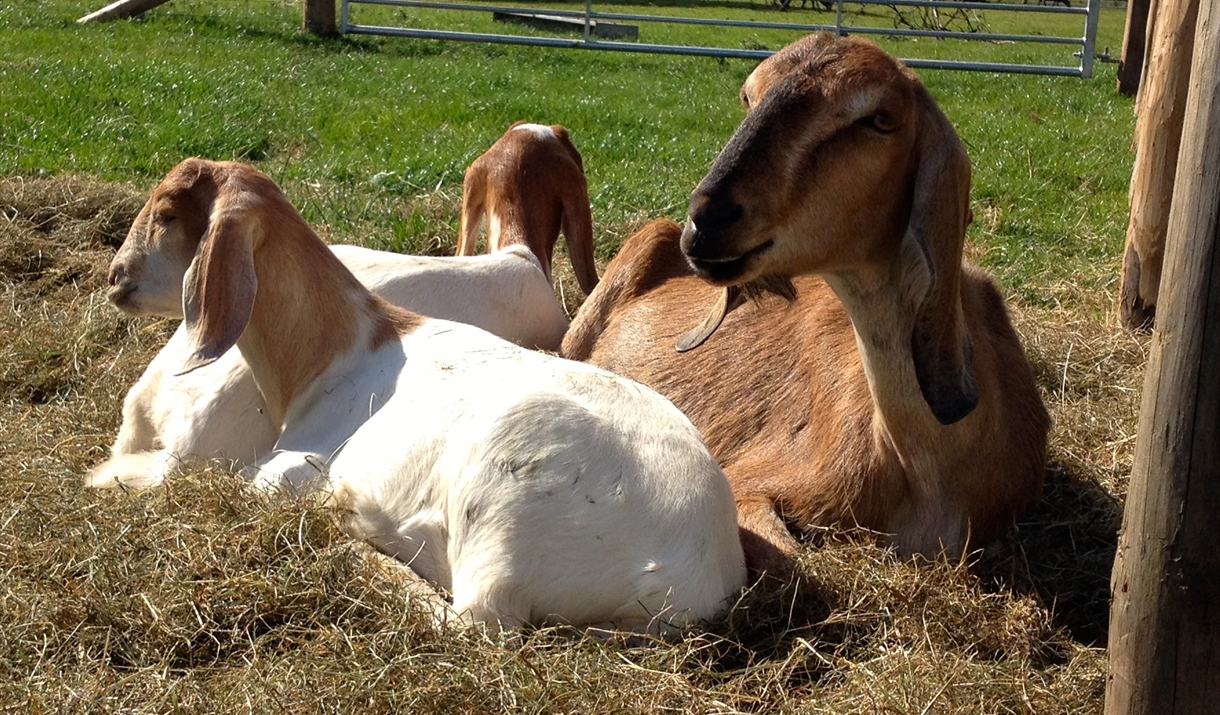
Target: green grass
<point x="361" y="130"/>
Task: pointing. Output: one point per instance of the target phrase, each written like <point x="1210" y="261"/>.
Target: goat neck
<point x="308" y="312"/>
<point x="883" y="320"/>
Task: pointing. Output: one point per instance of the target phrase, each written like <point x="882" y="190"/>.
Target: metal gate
<point x="585" y="22"/>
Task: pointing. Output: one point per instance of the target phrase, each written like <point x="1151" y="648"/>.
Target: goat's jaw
<point x="724" y="270"/>
<point x="143" y="298"/>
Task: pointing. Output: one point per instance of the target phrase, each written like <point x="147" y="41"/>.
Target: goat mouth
<point x="727" y="270"/>
<point x="119" y="294"/>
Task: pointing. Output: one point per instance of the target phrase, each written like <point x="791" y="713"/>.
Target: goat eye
<point x="165" y="219"/>
<point x="883" y="122"/>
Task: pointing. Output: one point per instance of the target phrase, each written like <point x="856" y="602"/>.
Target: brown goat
<point x="528" y="185"/>
<point x="891" y="392"/>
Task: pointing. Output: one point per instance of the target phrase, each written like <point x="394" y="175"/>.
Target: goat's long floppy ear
<point x="474" y="196"/>
<point x="940" y="345"/>
<point x="219" y="287"/>
<point x="577" y="216"/>
<point x="578" y="232"/>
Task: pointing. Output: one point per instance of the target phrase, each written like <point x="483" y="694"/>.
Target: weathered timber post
<point x="320" y="17"/>
<point x="122" y="8"/>
<point x="1135" y="35"/>
<point x="1158" y="126"/>
<point x="1165" y="614"/>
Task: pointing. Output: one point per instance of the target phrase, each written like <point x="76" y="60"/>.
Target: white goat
<point x="216" y="412"/>
<point x="534" y="489"/>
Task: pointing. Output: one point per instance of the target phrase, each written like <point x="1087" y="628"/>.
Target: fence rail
<point x="1087" y="42"/>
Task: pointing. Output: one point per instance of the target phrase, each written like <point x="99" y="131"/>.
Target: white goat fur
<point x="532" y="488"/>
<point x="216" y="412"/>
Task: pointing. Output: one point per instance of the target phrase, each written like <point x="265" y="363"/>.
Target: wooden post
<point x="320" y="17"/>
<point x="1158" y="127"/>
<point x="1165" y="616"/>
<point x="122" y="8"/>
<point x="1135" y="36"/>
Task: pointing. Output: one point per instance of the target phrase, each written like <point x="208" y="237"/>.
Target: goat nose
<point x="712" y="212"/>
<point x="116" y="274"/>
<point x="709" y="217"/>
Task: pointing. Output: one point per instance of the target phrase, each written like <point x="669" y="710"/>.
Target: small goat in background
<point x="533" y="489"/>
<point x="528" y="185"/>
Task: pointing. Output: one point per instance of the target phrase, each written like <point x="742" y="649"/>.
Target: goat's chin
<point x="749" y="278"/>
<point x="732" y="271"/>
<point x="782" y="286"/>
<point x="139" y="311"/>
<point x="138" y="306"/>
<point x="131" y="308"/>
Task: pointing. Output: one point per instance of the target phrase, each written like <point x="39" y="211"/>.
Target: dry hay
<point x="203" y="598"/>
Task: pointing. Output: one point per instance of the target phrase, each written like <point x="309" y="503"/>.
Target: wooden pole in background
<point x="1135" y="36"/>
<point x="320" y="17"/>
<point x="1165" y="615"/>
<point x="122" y="8"/>
<point x="1158" y="127"/>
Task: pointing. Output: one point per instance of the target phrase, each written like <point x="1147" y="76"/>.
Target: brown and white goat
<point x="528" y="185"/>
<point x="533" y="489"/>
<point x="891" y="392"/>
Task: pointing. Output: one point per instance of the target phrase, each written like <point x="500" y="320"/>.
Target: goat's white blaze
<point x="540" y="130"/>
<point x="863" y="103"/>
<point x="495" y="229"/>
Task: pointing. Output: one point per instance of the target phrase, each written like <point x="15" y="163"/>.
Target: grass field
<point x="195" y="600"/>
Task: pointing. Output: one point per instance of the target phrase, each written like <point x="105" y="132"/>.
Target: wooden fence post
<point x="1135" y="36"/>
<point x="1162" y="101"/>
<point x="1165" y="615"/>
<point x="121" y="8"/>
<point x="320" y="17"/>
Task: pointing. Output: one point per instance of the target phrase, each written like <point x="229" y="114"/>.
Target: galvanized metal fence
<point x="589" y="18"/>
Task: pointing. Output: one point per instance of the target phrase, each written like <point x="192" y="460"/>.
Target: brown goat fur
<point x="529" y="185"/>
<point x="893" y="392"/>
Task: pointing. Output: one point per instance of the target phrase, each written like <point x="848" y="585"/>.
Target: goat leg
<point x="768" y="545"/>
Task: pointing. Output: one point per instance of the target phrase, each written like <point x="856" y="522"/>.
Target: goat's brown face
<point x="147" y="272"/>
<point x="818" y="177"/>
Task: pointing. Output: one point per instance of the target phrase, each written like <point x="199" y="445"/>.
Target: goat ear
<point x="578" y="232"/>
<point x="577" y="216"/>
<point x="219" y="287"/>
<point x="565" y="138"/>
<point x="940" y="345"/>
<point x="474" y="197"/>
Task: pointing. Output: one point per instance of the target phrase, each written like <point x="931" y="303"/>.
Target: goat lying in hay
<point x="891" y="390"/>
<point x="216" y="411"/>
<point x="528" y="185"/>
<point x="533" y="489"/>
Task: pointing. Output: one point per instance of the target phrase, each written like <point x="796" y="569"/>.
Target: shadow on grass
<point x="1062" y="552"/>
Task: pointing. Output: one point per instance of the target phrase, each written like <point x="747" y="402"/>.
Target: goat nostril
<point x="716" y="212"/>
<point x="115" y="275"/>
